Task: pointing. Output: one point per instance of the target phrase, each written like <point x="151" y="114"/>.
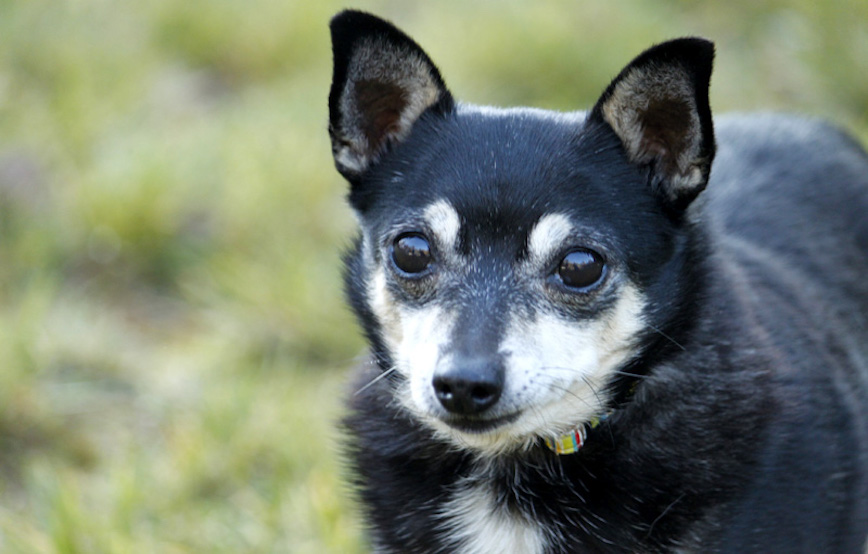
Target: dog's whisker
<point x="376" y="380"/>
<point x="573" y="394"/>
<point x="544" y="423"/>
<point x="593" y="390"/>
<point x="628" y="374"/>
<point x="663" y="514"/>
<point x="665" y="336"/>
<point x="580" y="372"/>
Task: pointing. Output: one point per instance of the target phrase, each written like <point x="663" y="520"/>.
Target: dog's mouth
<point x="478" y="424"/>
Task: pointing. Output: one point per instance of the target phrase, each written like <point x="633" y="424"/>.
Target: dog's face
<point x="506" y="283"/>
<point x="513" y="263"/>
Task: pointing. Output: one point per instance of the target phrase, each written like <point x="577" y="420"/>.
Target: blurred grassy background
<point x="173" y="340"/>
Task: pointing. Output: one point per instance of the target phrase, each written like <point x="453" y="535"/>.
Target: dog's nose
<point x="471" y="388"/>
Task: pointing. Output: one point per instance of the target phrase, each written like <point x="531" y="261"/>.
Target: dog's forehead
<point x="492" y="180"/>
<point x="537" y="238"/>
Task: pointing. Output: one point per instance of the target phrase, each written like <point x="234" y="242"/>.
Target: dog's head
<point x="514" y="264"/>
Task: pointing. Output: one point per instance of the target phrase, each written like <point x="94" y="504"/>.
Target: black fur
<point x="748" y="428"/>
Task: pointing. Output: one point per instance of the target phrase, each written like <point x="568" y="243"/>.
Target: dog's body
<point x="525" y="276"/>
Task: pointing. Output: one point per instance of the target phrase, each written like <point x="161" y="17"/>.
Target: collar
<point x="573" y="441"/>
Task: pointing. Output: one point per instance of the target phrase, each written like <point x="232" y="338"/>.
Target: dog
<point x="584" y="336"/>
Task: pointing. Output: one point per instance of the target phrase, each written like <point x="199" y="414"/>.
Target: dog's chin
<point x="479" y="425"/>
<point x="491" y="436"/>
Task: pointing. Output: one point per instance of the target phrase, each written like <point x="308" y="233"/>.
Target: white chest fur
<point x="478" y="525"/>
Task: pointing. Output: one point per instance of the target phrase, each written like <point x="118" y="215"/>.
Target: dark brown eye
<point x="412" y="253"/>
<point x="581" y="269"/>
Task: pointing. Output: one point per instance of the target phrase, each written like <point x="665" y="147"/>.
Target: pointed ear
<point x="658" y="107"/>
<point x="382" y="84"/>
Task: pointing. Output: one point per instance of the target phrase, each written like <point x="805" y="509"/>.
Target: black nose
<point x="471" y="388"/>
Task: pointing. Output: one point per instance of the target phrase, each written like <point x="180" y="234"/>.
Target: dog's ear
<point x="658" y="107"/>
<point x="382" y="83"/>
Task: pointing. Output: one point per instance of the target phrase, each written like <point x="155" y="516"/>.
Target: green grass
<point x="173" y="339"/>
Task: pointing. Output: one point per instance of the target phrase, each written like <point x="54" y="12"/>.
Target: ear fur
<point x="382" y="83"/>
<point x="658" y="107"/>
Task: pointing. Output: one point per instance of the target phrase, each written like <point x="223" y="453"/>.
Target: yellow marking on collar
<point x="573" y="441"/>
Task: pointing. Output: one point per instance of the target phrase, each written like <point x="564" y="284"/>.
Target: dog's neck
<point x="572" y="442"/>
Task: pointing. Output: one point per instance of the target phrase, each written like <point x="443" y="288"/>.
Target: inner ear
<point x="669" y="126"/>
<point x="380" y="105"/>
<point x="658" y="107"/>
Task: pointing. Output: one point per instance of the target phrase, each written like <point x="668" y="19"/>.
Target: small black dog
<point x="576" y="351"/>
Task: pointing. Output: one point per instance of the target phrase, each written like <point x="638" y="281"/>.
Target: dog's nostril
<point x="482" y="393"/>
<point x="467" y="395"/>
<point x="442" y="389"/>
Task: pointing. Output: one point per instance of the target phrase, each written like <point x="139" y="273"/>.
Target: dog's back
<point x="795" y="190"/>
<point x="787" y="203"/>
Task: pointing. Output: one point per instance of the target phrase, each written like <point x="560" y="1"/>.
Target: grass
<point x="173" y="340"/>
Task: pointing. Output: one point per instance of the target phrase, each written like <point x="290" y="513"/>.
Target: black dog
<point x="576" y="351"/>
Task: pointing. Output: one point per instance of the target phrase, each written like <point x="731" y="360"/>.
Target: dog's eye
<point x="581" y="269"/>
<point x="411" y="253"/>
